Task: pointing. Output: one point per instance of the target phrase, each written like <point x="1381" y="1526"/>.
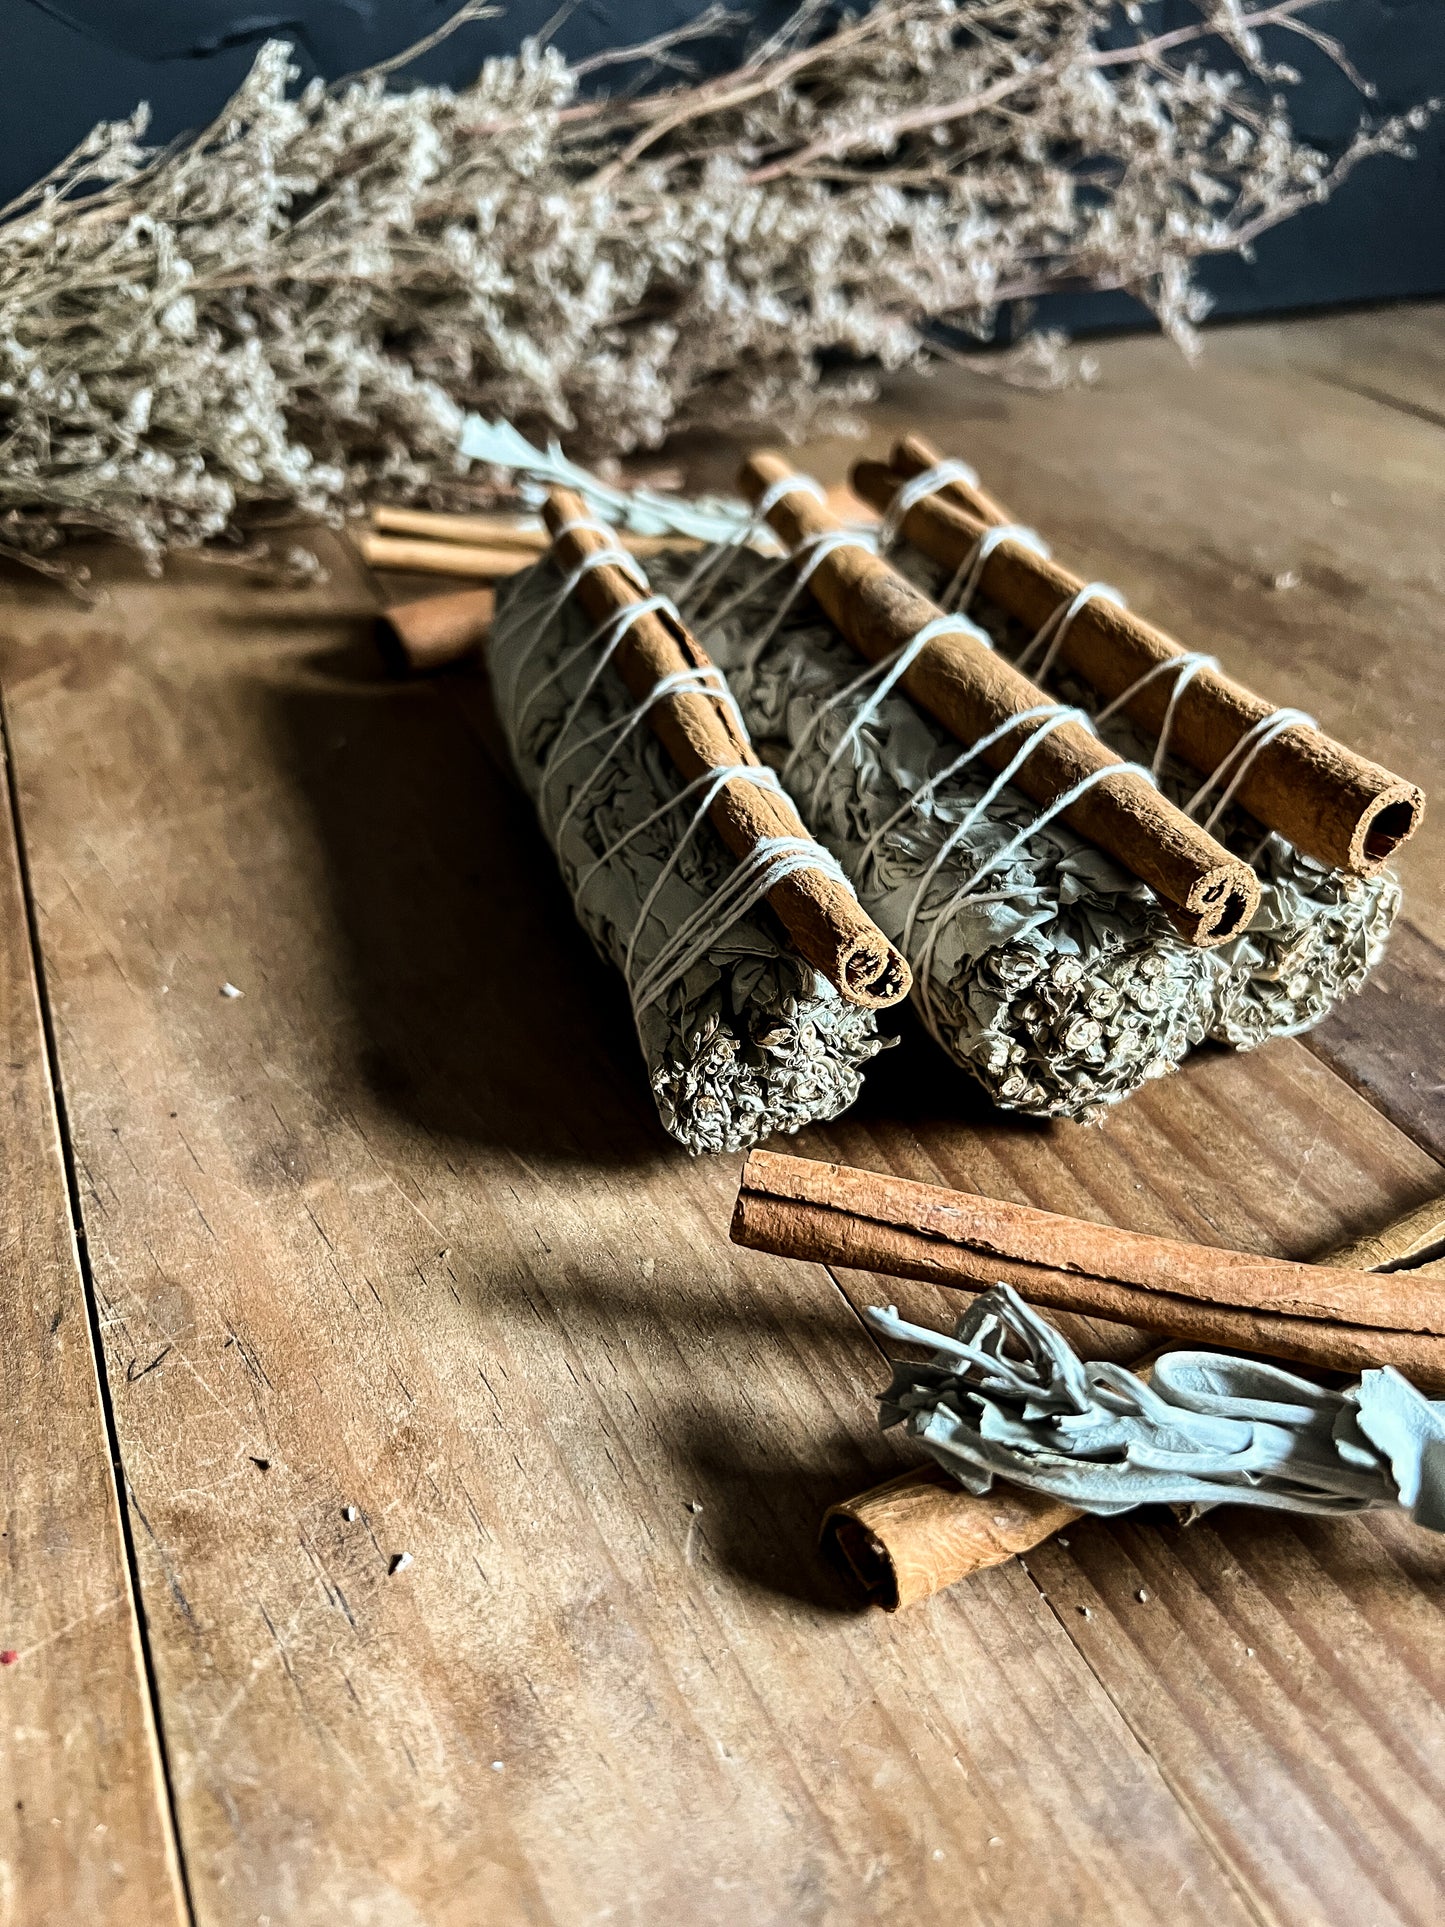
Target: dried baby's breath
<point x="287" y="315"/>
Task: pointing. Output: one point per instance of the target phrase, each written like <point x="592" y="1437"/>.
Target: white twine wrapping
<point x="964" y="584"/>
<point x="930" y="482"/>
<point x="886" y="674"/>
<point x="1050" y="637"/>
<point x="769" y="861"/>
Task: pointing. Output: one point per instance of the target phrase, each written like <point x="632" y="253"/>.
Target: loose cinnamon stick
<point x="420" y="557"/>
<point x="1339" y="1320"/>
<point x="485" y="531"/>
<point x="908" y="1539"/>
<point x="971" y="690"/>
<point x="825" y="922"/>
<point x="1333" y="805"/>
<point x="436" y="631"/>
<point x="1409" y="1245"/>
<point x="414" y="532"/>
<point x="921" y="1531"/>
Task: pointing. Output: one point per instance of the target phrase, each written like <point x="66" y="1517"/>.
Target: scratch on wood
<point x="132" y="1374"/>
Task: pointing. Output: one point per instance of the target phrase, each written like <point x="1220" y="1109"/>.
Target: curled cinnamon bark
<point x="435" y="631"/>
<point x="972" y="691"/>
<point x="1330" y="803"/>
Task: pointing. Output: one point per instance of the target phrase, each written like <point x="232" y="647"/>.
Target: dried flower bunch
<point x="287" y="315"/>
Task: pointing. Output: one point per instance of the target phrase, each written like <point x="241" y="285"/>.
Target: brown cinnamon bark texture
<point x="502" y="531"/>
<point x="921" y="1531"/>
<point x="481" y="530"/>
<point x="1336" y="1319"/>
<point x="1333" y="805"/>
<point x="908" y="1539"/>
<point x="418" y="556"/>
<point x="436" y="631"/>
<point x="912" y="455"/>
<point x="824" y="921"/>
<point x="971" y="690"/>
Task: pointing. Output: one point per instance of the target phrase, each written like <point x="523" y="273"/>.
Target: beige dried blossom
<point x="287" y="315"/>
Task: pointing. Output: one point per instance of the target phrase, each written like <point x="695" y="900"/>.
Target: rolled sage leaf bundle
<point x="1045" y="970"/>
<point x="1008" y="1397"/>
<point x="750" y="1039"/>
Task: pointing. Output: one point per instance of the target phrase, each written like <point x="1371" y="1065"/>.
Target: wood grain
<point x="1389" y="1042"/>
<point x="388" y="1242"/>
<point x="84" y="1830"/>
<point x="422" y="1252"/>
<point x="1393" y="356"/>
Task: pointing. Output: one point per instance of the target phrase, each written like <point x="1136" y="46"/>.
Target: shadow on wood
<point x="1389" y="1042"/>
<point x="485" y="1013"/>
<point x="760" y="1516"/>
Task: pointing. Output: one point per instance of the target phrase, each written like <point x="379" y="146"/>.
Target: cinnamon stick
<point x="485" y="531"/>
<point x="913" y="456"/>
<point x="1335" y="806"/>
<point x="420" y="557"/>
<point x="971" y="690"/>
<point x="1336" y="1319"/>
<point x="495" y="536"/>
<point x="1413" y="1244"/>
<point x="825" y="921"/>
<point x="919" y="1532"/>
<point x="909" y="1538"/>
<point x="436" y="631"/>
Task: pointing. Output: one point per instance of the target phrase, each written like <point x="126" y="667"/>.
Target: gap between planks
<point x="130" y="1860"/>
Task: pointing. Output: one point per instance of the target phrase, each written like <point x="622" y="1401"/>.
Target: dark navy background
<point x="64" y="64"/>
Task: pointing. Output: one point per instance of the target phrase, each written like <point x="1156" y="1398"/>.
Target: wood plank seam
<point x="120" y="1493"/>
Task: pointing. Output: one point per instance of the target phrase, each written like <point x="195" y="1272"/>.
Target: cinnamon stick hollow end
<point x="908" y="1539"/>
<point x="417" y="638"/>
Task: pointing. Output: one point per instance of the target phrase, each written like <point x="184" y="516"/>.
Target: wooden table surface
<point x="388" y="1256"/>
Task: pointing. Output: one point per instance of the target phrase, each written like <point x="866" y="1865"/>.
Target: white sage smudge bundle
<point x="288" y="315"/>
<point x="749" y="1039"/>
<point x="1058" y="981"/>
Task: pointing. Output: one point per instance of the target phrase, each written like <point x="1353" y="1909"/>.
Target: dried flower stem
<point x="287" y="314"/>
